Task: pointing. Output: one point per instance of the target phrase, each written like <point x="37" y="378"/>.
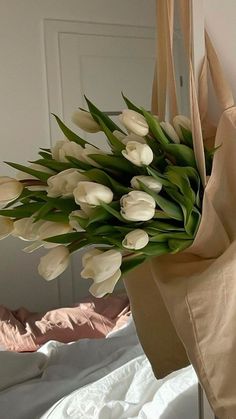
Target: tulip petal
<point x="100" y="289"/>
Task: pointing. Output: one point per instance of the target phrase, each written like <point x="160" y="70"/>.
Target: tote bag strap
<point x="198" y="146"/>
<point x="222" y="89"/>
<point x="164" y="85"/>
<point x="164" y="81"/>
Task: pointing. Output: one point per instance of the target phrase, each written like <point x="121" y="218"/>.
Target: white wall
<point x="220" y="20"/>
<point x="24" y="114"/>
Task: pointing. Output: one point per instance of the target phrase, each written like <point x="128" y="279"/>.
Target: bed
<point x="93" y="378"/>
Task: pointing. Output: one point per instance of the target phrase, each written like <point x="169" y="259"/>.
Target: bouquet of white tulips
<point x="140" y="200"/>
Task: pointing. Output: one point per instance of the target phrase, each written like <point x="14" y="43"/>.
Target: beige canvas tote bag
<point x="198" y="286"/>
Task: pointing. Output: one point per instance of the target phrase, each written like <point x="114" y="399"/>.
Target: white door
<point x="51" y="53"/>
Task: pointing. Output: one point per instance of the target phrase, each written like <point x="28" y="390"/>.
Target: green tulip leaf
<point x="115" y="143"/>
<point x="158" y="176"/>
<point x="131" y="105"/>
<point x="103" y="230"/>
<point x="177" y="246"/>
<point x="66" y="205"/>
<point x="119" y="164"/>
<point x="113" y="211"/>
<point x="53" y="164"/>
<point x="78" y="164"/>
<point x="163" y="226"/>
<point x="185" y="203"/>
<point x="187" y="136"/>
<point x="57" y="217"/>
<point x="181" y="180"/>
<point x="44" y="155"/>
<point x="183" y="155"/>
<point x="36" y="173"/>
<point x="22" y="211"/>
<point x="65" y="238"/>
<point x="44" y="210"/>
<point x="70" y="135"/>
<point x="156" y="249"/>
<point x="161" y="215"/>
<point x="169" y="207"/>
<point x="164" y="237"/>
<point x="99" y="215"/>
<point x="155" y="128"/>
<point x="95" y="112"/>
<point x="102" y="177"/>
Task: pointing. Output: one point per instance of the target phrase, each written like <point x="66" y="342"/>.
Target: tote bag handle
<point x="164" y="86"/>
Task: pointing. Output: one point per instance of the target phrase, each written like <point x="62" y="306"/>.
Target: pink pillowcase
<point x="23" y="331"/>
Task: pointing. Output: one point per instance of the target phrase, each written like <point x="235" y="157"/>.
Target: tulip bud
<point x="136" y="239"/>
<point x="6" y="227"/>
<point x="10" y="189"/>
<point x="134" y="122"/>
<point x="87" y="209"/>
<point x="64" y="183"/>
<point x="50" y="229"/>
<point x="103" y="268"/>
<point x="181" y="121"/>
<point x="74" y="219"/>
<point x="92" y="193"/>
<point x="170" y="131"/>
<point x="27" y="229"/>
<point x="138" y="154"/>
<point x="137" y="206"/>
<point x="65" y="148"/>
<point x="149" y="181"/>
<point x="54" y="263"/>
<point x="85" y="121"/>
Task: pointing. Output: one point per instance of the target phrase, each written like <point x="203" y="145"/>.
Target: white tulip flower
<point x="10" y="189"/>
<point x="181" y="121"/>
<point x="136" y="239"/>
<point x="87" y="209"/>
<point x="6" y="227"/>
<point x="103" y="268"/>
<point x="50" y="229"/>
<point x="134" y="122"/>
<point x="64" y="148"/>
<point x="54" y="263"/>
<point x="170" y="131"/>
<point x="149" y="181"/>
<point x="64" y="183"/>
<point x="99" y="289"/>
<point x="26" y="229"/>
<point x="85" y="121"/>
<point x="92" y="193"/>
<point x="138" y="154"/>
<point x="73" y="219"/>
<point x="137" y="206"/>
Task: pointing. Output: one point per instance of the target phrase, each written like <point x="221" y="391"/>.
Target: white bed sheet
<point x="132" y="391"/>
<point x="68" y="367"/>
<point x="101" y="379"/>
